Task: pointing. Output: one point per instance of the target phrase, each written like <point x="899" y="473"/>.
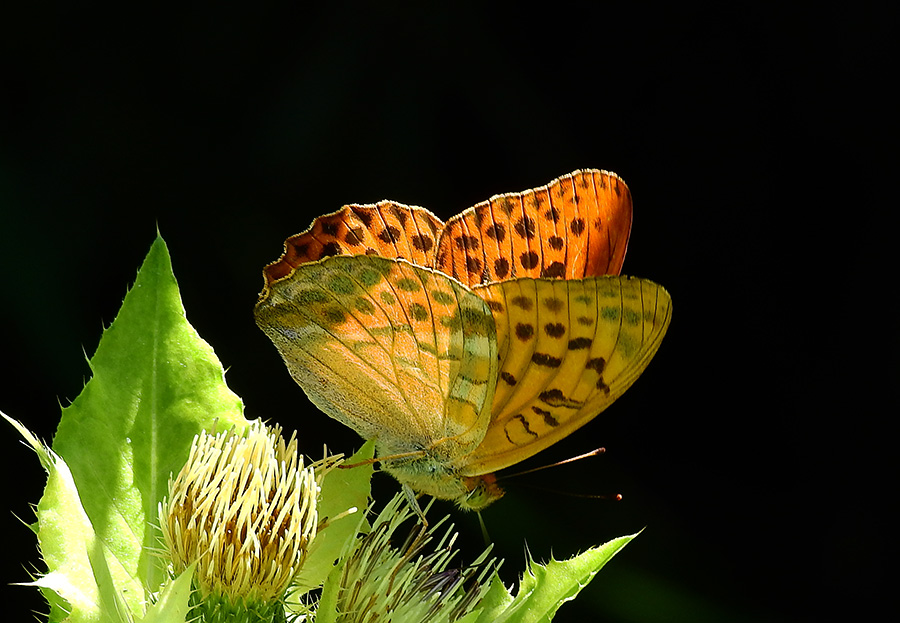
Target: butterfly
<point x="464" y="348"/>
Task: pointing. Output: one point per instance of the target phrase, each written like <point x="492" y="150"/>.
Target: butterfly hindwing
<point x="568" y="348"/>
<point x="395" y="351"/>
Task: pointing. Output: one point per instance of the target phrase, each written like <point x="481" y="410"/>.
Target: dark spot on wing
<point x="467" y="242"/>
<point x="422" y="243"/>
<point x="556" y="270"/>
<point x="529" y="259"/>
<point x="501" y="267"/>
<point x="549" y="420"/>
<point x="580" y="343"/>
<point x="331" y="248"/>
<point x="543" y="359"/>
<point x="354" y="235"/>
<point x="389" y="234"/>
<point x="525" y="227"/>
<point x="478" y="214"/>
<point x="577" y="226"/>
<point x="522" y="302"/>
<point x="363" y="214"/>
<point x="400" y="214"/>
<point x="554" y="304"/>
<point x="524" y="331"/>
<point x="521" y="418"/>
<point x="506" y="206"/>
<point x="496" y="231"/>
<point x="555" y="329"/>
<point x="555" y="398"/>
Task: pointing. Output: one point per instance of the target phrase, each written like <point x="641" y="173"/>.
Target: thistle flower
<point x="380" y="583"/>
<point x="243" y="509"/>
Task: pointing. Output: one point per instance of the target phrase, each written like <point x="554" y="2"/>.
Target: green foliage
<point x="172" y="605"/>
<point x="155" y="385"/>
<point x="342" y="490"/>
<point x="544" y="588"/>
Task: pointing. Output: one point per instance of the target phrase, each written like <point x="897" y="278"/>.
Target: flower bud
<point x="243" y="509"/>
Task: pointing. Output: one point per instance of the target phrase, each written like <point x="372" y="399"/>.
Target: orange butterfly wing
<point x="387" y="229"/>
<point x="576" y="226"/>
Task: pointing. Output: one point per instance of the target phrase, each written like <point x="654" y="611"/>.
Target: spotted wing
<point x="395" y="351"/>
<point x="388" y="229"/>
<point x="568" y="349"/>
<point x="576" y="226"/>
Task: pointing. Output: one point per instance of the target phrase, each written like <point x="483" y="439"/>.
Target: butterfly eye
<point x="484" y="491"/>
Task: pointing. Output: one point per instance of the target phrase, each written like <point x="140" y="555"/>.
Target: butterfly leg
<point x="411" y="548"/>
<point x="413" y="499"/>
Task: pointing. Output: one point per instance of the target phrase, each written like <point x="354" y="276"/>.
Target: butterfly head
<point x="483" y="491"/>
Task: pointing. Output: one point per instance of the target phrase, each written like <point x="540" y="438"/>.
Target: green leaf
<point x="155" y="385"/>
<point x="173" y="604"/>
<point x="496" y="601"/>
<point x="342" y="489"/>
<point x="79" y="579"/>
<point x="326" y="611"/>
<point x="544" y="588"/>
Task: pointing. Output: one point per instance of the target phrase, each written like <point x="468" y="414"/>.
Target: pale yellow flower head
<point x="244" y="509"/>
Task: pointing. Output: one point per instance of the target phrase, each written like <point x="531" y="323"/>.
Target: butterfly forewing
<point x="387" y="229"/>
<point x="395" y="351"/>
<point x="575" y="226"/>
<point x="604" y="204"/>
<point x="568" y="350"/>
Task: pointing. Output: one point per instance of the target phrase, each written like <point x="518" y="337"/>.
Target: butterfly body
<point x="459" y="375"/>
<point x="434" y="475"/>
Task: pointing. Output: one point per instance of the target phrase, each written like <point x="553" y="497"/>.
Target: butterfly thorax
<point x="432" y="476"/>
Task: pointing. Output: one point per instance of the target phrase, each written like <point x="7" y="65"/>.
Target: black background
<point x="756" y="447"/>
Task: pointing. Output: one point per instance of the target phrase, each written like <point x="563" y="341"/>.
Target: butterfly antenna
<point x="596" y="496"/>
<point x="557" y="464"/>
<point x="593" y="496"/>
